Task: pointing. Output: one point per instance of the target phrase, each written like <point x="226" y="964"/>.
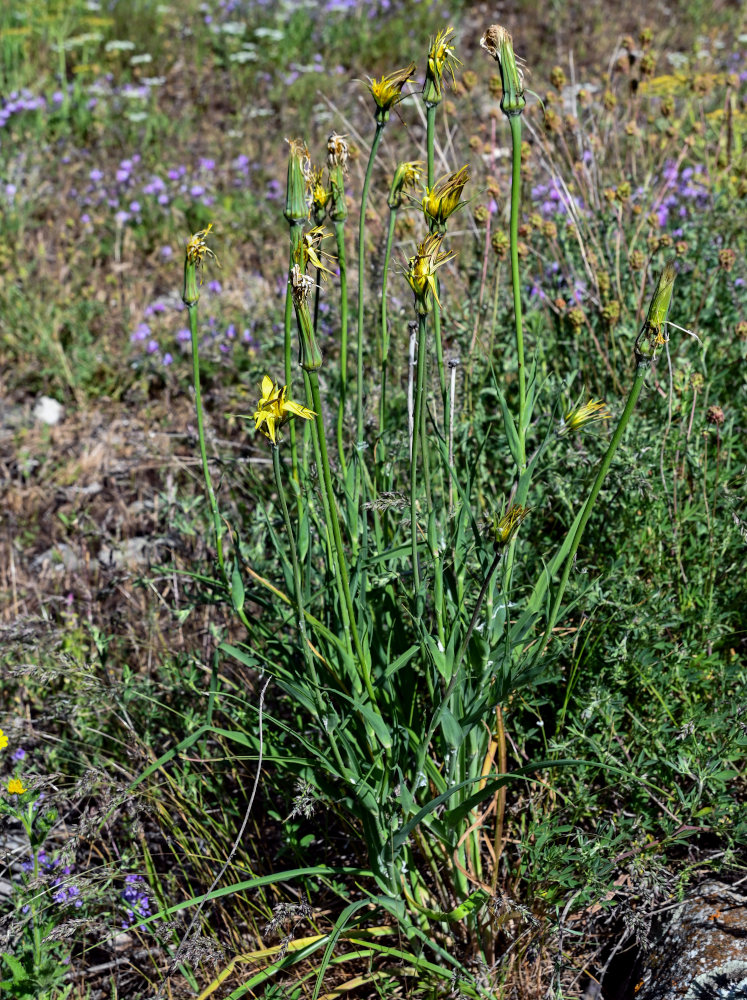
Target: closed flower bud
<point x="498" y="43"/>
<point x="195" y="253"/>
<point x="653" y="334"/>
<point x="298" y="188"/>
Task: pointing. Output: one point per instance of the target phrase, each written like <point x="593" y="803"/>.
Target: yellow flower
<point x="406" y="175"/>
<point x="320" y="195"/>
<point x="421" y="270"/>
<point x="274" y="408"/>
<point x="504" y="528"/>
<point x="577" y="416"/>
<point x="196" y="251"/>
<point x="15" y="787"/>
<point x="309" y="250"/>
<point x="197" y="248"/>
<point x="440" y="57"/>
<point x="387" y="91"/>
<point x="442" y="200"/>
<point x="3" y="740"/>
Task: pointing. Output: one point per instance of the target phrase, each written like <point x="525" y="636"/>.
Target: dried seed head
<point x="337" y="152"/>
<point x="715" y="416"/>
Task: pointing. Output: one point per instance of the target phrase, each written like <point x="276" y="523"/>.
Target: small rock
<point x="48" y="411"/>
<point x="702" y="952"/>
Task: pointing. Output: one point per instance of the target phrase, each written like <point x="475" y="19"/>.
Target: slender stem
<point x="217" y="523"/>
<point x="298" y="588"/>
<point x="438" y="576"/>
<point x="331" y="558"/>
<point x="417" y="413"/>
<point x="384" y="327"/>
<point x="342" y="262"/>
<point x="430" y="143"/>
<point x="515" y="123"/>
<point x="336" y="534"/>
<point x="460" y="655"/>
<point x="635" y="391"/>
<point x="295" y="231"/>
<point x="361" y="279"/>
<point x="430" y="124"/>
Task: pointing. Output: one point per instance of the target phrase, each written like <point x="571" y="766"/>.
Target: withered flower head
<point x="498" y="43"/>
<point x="337" y="151"/>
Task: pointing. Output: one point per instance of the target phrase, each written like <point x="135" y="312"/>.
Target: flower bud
<point x="497" y="42"/>
<point x="298" y="189"/>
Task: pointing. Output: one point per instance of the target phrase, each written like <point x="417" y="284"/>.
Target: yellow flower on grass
<point x="575" y="418"/>
<point x="3" y="740"/>
<point x="274" y="408"/>
<point x="15" y="786"/>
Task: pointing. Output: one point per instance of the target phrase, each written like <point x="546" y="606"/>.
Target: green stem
<point x="430" y="143"/>
<point x="417" y="411"/>
<point x="515" y="123"/>
<point x="331" y="559"/>
<point x="384" y="327"/>
<point x="361" y="280"/>
<point x="298" y="588"/>
<point x="342" y="261"/>
<point x="217" y="523"/>
<point x="635" y="391"/>
<point x="296" y="232"/>
<point x="430" y="119"/>
<point x="336" y="534"/>
<point x="459" y="657"/>
<point x="438" y="578"/>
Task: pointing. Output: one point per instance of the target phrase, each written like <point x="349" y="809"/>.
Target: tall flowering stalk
<point x="405" y="176"/>
<point x="442" y="63"/>
<point x="498" y="43"/>
<point x="421" y="276"/>
<point x="195" y="254"/>
<point x="311" y="362"/>
<point x="442" y="198"/>
<point x="297" y="203"/>
<point x="337" y="165"/>
<point x="387" y="93"/>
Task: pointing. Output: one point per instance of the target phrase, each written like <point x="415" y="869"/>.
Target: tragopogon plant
<point x="394" y="621"/>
